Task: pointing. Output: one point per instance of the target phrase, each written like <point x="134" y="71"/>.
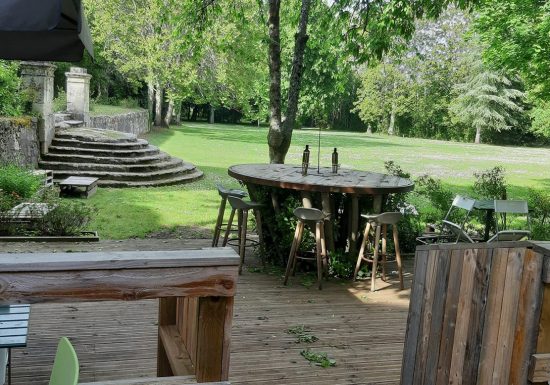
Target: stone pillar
<point x="37" y="79"/>
<point x="78" y="94"/>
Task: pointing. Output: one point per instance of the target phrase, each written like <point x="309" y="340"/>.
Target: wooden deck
<point x="363" y="332"/>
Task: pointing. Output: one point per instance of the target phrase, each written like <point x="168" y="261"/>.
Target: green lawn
<point x="103" y="109"/>
<point x="125" y="213"/>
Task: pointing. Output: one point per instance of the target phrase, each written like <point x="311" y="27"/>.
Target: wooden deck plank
<point x="362" y="331"/>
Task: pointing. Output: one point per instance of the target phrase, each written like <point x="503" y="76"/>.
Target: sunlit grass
<point x="127" y="213"/>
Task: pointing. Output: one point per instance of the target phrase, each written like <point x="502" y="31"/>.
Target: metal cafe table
<point x="14" y="323"/>
<point x="346" y="181"/>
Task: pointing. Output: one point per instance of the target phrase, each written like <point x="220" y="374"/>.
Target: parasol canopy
<point x="43" y="30"/>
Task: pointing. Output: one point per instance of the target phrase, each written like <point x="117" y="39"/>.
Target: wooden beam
<point x="525" y="335"/>
<point x="125" y="284"/>
<point x="167" y="316"/>
<point x="540" y="368"/>
<point x="177" y="354"/>
<point x="213" y="338"/>
<point x="543" y="339"/>
<point x="115" y="260"/>
<point x="180" y="380"/>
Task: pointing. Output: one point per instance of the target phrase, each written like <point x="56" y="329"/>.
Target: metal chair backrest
<point x="511" y="207"/>
<point x="504" y="207"/>
<point x="309" y="214"/>
<point x="461" y="203"/>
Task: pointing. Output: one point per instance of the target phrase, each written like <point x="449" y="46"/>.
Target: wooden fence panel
<point x="473" y="316"/>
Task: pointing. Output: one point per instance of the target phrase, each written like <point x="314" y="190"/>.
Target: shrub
<point x="539" y="204"/>
<point x="342" y="265"/>
<point x="12" y="101"/>
<point x="65" y="218"/>
<point x="491" y="184"/>
<point x="60" y="101"/>
<point x="437" y="195"/>
<point x="18" y="182"/>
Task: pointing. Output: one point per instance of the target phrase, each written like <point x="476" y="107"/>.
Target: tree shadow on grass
<point x="255" y="135"/>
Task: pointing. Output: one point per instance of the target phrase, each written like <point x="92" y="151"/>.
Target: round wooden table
<point x="352" y="182"/>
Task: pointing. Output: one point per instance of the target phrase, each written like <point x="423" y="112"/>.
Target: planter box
<point x="86" y="236"/>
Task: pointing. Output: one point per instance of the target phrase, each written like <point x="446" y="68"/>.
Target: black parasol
<point x="43" y="30"/>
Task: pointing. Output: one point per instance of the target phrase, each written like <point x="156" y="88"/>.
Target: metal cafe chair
<point x="517" y="208"/>
<point x="452" y="231"/>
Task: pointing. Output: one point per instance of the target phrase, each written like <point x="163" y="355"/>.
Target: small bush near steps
<point x="65" y="218"/>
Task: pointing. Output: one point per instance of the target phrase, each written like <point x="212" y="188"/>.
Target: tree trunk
<point x="158" y="105"/>
<point x="212" y="113"/>
<point x="169" y="113"/>
<point x="150" y="101"/>
<point x="178" y="114"/>
<point x="391" y="126"/>
<point x="194" y="113"/>
<point x="478" y="135"/>
<point x="280" y="133"/>
<point x="275" y="134"/>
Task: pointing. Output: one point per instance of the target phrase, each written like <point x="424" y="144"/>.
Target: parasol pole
<point x="319" y="153"/>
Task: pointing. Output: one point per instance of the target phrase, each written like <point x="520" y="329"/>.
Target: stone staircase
<point x="117" y="159"/>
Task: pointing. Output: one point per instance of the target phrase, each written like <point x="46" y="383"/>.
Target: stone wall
<point x="19" y="141"/>
<point x="135" y="122"/>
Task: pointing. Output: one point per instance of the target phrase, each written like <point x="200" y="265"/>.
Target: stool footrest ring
<point x="248" y="243"/>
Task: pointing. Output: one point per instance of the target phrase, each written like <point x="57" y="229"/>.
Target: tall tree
<point x="488" y="101"/>
<point x="373" y="27"/>
<point x="516" y="36"/>
<point x="383" y="96"/>
<point x="152" y="41"/>
<point x="280" y="131"/>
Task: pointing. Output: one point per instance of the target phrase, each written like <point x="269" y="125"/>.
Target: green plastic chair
<point x="65" y="366"/>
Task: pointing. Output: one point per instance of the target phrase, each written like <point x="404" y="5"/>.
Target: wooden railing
<point x="479" y="314"/>
<point x="195" y="289"/>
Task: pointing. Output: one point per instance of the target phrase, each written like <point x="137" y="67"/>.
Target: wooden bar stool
<point x="224" y="193"/>
<point x="242" y="208"/>
<point x="309" y="216"/>
<point x="379" y="223"/>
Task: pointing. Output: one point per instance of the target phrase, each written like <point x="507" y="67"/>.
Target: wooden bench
<point x="195" y="289"/>
<point x="78" y="186"/>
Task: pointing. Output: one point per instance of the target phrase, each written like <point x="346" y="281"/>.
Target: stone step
<point x="149" y="150"/>
<point x="69" y="124"/>
<point x="118" y="168"/>
<point x="61" y="117"/>
<point x="185" y="168"/>
<point x="116" y="159"/>
<point x="92" y="158"/>
<point x="179" y="179"/>
<point x="86" y="134"/>
<point x="72" y="142"/>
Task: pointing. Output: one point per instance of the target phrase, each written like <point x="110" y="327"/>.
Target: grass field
<point x="125" y="213"/>
<point x="103" y="109"/>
